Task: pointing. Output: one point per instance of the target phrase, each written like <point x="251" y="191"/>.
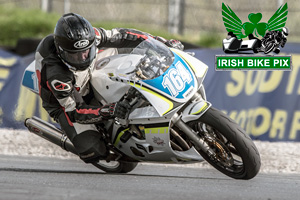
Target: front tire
<point x="269" y="47"/>
<point x="235" y="153"/>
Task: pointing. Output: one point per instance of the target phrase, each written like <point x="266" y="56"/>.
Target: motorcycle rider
<point x="277" y="37"/>
<point x="64" y="62"/>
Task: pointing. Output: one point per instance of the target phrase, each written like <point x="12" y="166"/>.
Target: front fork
<point x="192" y="135"/>
<point x="198" y="106"/>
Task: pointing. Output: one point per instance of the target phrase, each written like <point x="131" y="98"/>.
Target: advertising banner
<point x="16" y="102"/>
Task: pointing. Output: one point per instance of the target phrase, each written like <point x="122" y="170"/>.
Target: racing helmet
<point x="285" y="31"/>
<point x="74" y="38"/>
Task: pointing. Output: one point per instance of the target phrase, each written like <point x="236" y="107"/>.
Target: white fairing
<point x="107" y="90"/>
<point x="227" y="42"/>
<point x="144" y="113"/>
<point x="200" y="68"/>
<point x="160" y="105"/>
<point x="248" y="44"/>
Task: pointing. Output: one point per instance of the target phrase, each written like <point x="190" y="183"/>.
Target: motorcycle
<point x="273" y="40"/>
<point x="170" y="120"/>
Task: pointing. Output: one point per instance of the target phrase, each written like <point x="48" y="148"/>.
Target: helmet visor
<point x="79" y="59"/>
<point x="76" y="57"/>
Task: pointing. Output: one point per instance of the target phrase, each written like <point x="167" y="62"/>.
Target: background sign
<point x="265" y="103"/>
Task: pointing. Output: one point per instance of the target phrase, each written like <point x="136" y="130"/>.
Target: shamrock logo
<point x="233" y="23"/>
<point x="254" y="25"/>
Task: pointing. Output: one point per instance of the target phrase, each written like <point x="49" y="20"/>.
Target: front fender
<point x="195" y="110"/>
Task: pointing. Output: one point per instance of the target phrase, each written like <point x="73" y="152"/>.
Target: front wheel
<point x="269" y="47"/>
<point x="231" y="150"/>
<point x="115" y="166"/>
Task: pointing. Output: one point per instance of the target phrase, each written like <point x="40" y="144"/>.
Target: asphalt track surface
<point x="25" y="177"/>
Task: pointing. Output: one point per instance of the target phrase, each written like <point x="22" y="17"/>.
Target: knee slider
<point x="92" y="155"/>
<point x="90" y="146"/>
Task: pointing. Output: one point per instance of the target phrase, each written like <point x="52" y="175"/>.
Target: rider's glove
<point x="132" y="34"/>
<point x="112" y="110"/>
<point x="170" y="43"/>
<point x="87" y="114"/>
<point x="175" y="44"/>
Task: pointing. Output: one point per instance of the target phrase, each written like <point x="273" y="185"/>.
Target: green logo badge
<point x="273" y="36"/>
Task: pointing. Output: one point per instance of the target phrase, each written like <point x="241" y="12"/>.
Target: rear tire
<point x="115" y="166"/>
<point x="234" y="143"/>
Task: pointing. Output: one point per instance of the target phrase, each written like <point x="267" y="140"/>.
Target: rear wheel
<point x="231" y="150"/>
<point x="115" y="166"/>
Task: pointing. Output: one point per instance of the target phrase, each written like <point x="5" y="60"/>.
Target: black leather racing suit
<point x="63" y="90"/>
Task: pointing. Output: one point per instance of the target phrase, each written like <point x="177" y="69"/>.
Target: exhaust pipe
<point x="50" y="133"/>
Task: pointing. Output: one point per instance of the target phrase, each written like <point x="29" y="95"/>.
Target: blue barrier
<point x="265" y="103"/>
